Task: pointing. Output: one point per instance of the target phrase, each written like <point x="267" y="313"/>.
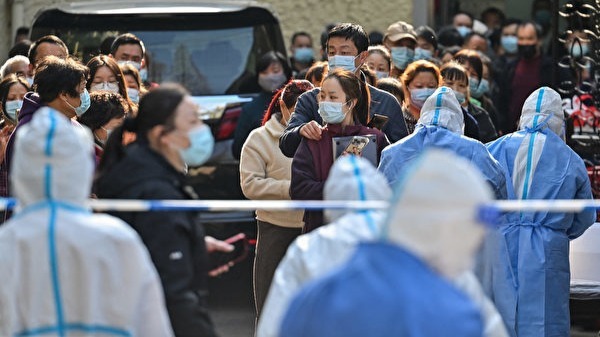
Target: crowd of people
<point x="422" y="120"/>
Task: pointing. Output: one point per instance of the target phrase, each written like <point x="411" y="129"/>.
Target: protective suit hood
<point x="354" y="178"/>
<point x="543" y="108"/>
<point x="442" y="109"/>
<point x="434" y="211"/>
<point x="53" y="160"/>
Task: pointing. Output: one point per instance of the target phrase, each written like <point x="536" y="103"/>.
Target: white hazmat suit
<point x="66" y="271"/>
<point x="314" y="254"/>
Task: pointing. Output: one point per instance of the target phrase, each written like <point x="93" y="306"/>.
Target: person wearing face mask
<point x="58" y="83"/>
<point x="456" y="77"/>
<point x="272" y="72"/>
<point x="379" y="61"/>
<point x="12" y="91"/>
<point x="133" y="82"/>
<point x="463" y="23"/>
<point x="400" y="39"/>
<point x="419" y="81"/>
<point x="506" y="52"/>
<point x="265" y="175"/>
<point x="170" y="137"/>
<point x="344" y="107"/>
<point x="521" y="77"/>
<point x="347" y="47"/>
<point x="479" y="105"/>
<point x="107" y="111"/>
<point x="531" y="268"/>
<point x="303" y="55"/>
<point x="106" y="75"/>
<point x="129" y="49"/>
<point x="427" y="45"/>
<point x="403" y="281"/>
<point x="441" y="125"/>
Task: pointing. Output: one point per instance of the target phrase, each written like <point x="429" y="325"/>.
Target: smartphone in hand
<point x="356" y="145"/>
<point x="239" y="253"/>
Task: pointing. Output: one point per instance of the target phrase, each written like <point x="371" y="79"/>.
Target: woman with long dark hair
<point x="169" y="137"/>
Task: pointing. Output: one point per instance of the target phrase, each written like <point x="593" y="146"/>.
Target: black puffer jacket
<point x="175" y="240"/>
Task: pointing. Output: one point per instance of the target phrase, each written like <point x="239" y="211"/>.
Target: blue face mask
<point x="420" y="95"/>
<point x="85" y="103"/>
<point x="463" y="30"/>
<point x="381" y="74"/>
<point x="332" y="112"/>
<point x="578" y="52"/>
<point x="402" y="56"/>
<point x="477" y="88"/>
<point x="11" y="109"/>
<point x="201" y="146"/>
<point x="460" y="97"/>
<point x="423" y="54"/>
<point x="134" y="95"/>
<point x="342" y="61"/>
<point x="303" y="55"/>
<point x="509" y="44"/>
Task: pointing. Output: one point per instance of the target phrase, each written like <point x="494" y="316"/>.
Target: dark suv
<point x="210" y="48"/>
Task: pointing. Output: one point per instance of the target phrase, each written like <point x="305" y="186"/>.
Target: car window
<point x="205" y="62"/>
<point x="209" y="53"/>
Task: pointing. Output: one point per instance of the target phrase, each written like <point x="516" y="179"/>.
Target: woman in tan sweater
<point x="265" y="175"/>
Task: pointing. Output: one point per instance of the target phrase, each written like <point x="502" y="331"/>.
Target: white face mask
<point x="136" y="65"/>
<point x="105" y="86"/>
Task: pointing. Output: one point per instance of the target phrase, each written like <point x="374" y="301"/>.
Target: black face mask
<point x="527" y="50"/>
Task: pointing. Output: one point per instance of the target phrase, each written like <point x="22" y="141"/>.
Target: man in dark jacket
<point x="59" y="84"/>
<point x="347" y="46"/>
<point x="524" y="75"/>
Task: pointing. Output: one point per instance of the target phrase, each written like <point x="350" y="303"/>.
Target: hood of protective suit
<point x="53" y="160"/>
<point x="543" y="108"/>
<point x="442" y="109"/>
<point x="354" y="178"/>
<point x="434" y="212"/>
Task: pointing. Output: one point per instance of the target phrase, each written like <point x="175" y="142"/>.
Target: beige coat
<point x="265" y="173"/>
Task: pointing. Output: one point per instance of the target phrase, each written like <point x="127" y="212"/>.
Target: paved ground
<point x="232" y="305"/>
<point x="231" y="302"/>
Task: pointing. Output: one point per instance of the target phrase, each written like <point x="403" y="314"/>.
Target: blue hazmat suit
<point x="441" y="125"/>
<point x="400" y="284"/>
<point x="531" y="269"/>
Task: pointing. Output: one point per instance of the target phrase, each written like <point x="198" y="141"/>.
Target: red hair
<point x="289" y="94"/>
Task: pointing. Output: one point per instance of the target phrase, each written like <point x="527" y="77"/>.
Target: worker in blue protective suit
<point x="316" y="253"/>
<point x="531" y="269"/>
<point x="66" y="271"/>
<point x="441" y="125"/>
<point x="401" y="284"/>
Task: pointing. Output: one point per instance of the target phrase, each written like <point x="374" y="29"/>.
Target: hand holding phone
<point x="220" y="262"/>
<point x="356" y="145"/>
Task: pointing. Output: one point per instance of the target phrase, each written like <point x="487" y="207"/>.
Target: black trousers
<point x="271" y="247"/>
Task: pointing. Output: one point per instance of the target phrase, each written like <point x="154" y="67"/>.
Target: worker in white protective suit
<point x="314" y="254"/>
<point x="66" y="271"/>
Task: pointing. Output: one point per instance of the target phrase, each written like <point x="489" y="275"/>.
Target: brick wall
<point x="307" y="15"/>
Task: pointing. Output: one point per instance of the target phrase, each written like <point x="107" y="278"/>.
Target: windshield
<point x="213" y="55"/>
<point x="205" y="62"/>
